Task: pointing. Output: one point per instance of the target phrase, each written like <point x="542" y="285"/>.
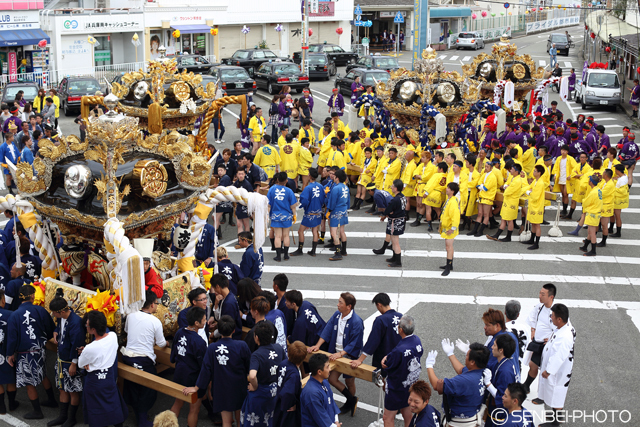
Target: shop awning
<point x="192" y="29"/>
<point x="449" y="12"/>
<point x="22" y="37"/>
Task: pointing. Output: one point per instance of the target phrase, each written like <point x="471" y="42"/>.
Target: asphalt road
<point x="601" y="292"/>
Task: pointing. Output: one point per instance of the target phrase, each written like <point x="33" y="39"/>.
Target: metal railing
<point x="52" y="78"/>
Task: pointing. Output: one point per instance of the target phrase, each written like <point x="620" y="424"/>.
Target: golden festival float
<point x="142" y="167"/>
<point x="434" y="107"/>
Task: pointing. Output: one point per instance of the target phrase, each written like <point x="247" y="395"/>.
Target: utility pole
<point x="305" y="37"/>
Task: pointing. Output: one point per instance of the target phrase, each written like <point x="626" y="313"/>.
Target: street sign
<point x="365" y="41"/>
<point x="358" y="11"/>
<point x="399" y="19"/>
<point x="359" y="23"/>
<point x="358" y="17"/>
<point x="313" y="6"/>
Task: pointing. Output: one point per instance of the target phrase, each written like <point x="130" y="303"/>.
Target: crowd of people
<point x="23" y="126"/>
<point x="257" y="376"/>
<point x="507" y="176"/>
<point x="257" y="379"/>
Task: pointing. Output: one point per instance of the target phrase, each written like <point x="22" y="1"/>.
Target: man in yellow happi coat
<point x="510" y="203"/>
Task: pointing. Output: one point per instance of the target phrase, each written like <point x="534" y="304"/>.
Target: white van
<point x="600" y="87"/>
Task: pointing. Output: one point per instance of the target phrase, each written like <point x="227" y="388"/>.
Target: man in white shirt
<point x="541" y="330"/>
<point x="557" y="364"/>
<point x="143" y="331"/>
<point x="520" y="330"/>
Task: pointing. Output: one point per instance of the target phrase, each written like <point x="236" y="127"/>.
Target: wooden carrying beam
<point x="343" y="365"/>
<point x="163" y="356"/>
<point x="155" y="382"/>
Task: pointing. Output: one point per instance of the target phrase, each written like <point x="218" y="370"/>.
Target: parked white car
<point x="469" y="40"/>
<point x="601" y="88"/>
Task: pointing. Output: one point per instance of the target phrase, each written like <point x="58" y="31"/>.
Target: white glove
<point x="431" y="359"/>
<point x="528" y="192"/>
<point x="505" y="186"/>
<point x="448" y="347"/>
<point x="463" y="347"/>
<point x="426" y="194"/>
<point x="486" y="376"/>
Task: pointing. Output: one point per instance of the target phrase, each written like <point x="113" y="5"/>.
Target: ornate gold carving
<point x="519" y="71"/>
<point x="51" y="151"/>
<point x="39" y="166"/>
<point x="149" y="142"/>
<point x="26" y="181"/>
<point x="195" y="169"/>
<point x="152" y="176"/>
<point x="162" y="261"/>
<point x="181" y="90"/>
<point x="75" y="144"/>
<point x="118" y="90"/>
<point x="112" y="133"/>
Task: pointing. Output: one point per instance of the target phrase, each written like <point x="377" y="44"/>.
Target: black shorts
<point x="396" y="226"/>
<point x="536" y="356"/>
<point x="627" y="163"/>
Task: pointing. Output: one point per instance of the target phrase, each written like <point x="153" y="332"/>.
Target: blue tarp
<point x="22" y="37"/>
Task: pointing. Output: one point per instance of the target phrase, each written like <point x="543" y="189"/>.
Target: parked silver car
<point x="469" y="40"/>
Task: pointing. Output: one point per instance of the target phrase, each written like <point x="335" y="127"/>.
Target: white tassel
<point x="509" y="94"/>
<point x="564" y="88"/>
<point x="441" y="126"/>
<point x="501" y="120"/>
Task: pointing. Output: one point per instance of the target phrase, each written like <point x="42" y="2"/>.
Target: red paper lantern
<point x="638" y="70"/>
<point x="607" y="49"/>
<point x="42" y="44"/>
<point x="339" y="30"/>
<point x="586" y="28"/>
<point x="541" y="9"/>
<point x="593" y="35"/>
<point x="310" y="32"/>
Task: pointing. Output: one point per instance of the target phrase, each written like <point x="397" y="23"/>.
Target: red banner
<point x="326" y="8"/>
<point x="12" y="60"/>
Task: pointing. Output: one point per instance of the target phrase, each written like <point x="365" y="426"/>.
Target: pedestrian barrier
<point x="52" y="78"/>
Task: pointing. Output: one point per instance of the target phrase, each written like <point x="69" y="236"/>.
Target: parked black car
<point x="274" y="75"/>
<point x="251" y="59"/>
<point x="10" y="89"/>
<point x="335" y="52"/>
<point x="321" y="65"/>
<point x="234" y="80"/>
<point x="561" y="42"/>
<point x="194" y="63"/>
<point x="367" y="77"/>
<point x="377" y="62"/>
<point x="72" y="89"/>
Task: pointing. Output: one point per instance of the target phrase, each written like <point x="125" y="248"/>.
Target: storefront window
<point x="199" y="44"/>
<point x="102" y="54"/>
<point x="186" y="43"/>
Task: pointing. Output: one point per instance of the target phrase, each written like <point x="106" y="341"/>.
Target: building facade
<point x="20" y="34"/>
<point x="82" y="41"/>
<point x="195" y="19"/>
